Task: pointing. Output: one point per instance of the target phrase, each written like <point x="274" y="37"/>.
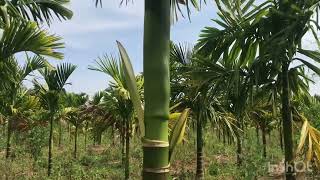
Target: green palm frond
<point x="38" y="10"/>
<point x="237" y="35"/>
<point x="33" y="63"/>
<point x="39" y="88"/>
<point x="180" y="53"/>
<point x="63" y="72"/>
<point x="111" y="66"/>
<point x="73" y="99"/>
<point x="26" y="36"/>
<point x="57" y="78"/>
<point x="27" y="103"/>
<point x="9" y="73"/>
<point x="97" y="97"/>
<point x="177" y="6"/>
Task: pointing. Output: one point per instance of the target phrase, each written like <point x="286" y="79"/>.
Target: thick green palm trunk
<point x="156" y="89"/>
<point x="287" y="124"/>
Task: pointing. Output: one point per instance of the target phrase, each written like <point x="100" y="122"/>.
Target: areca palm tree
<point x="72" y="112"/>
<point x="98" y="116"/>
<point x="263" y="112"/>
<point x="118" y="95"/>
<point x="13" y="86"/>
<point x="55" y="79"/>
<point x="157" y="21"/>
<point x="227" y="82"/>
<point x="20" y="34"/>
<point x="191" y="83"/>
<point x="274" y="29"/>
<point x="33" y="40"/>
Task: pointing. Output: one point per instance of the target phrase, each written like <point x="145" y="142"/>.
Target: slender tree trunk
<point x="75" y="143"/>
<point x="239" y="144"/>
<point x="239" y="151"/>
<point x="287" y="124"/>
<point x="257" y="135"/>
<point x="50" y="146"/>
<point x="199" y="172"/>
<point x="85" y="136"/>
<point x="281" y="137"/>
<point x="264" y="141"/>
<point x="127" y="163"/>
<point x="123" y="144"/>
<point x="9" y="133"/>
<point x="69" y="133"/>
<point x="98" y="138"/>
<point x="113" y="136"/>
<point x="60" y="134"/>
<point x="4" y="130"/>
<point x="156" y="89"/>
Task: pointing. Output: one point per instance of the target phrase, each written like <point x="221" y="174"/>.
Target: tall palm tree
<point x="274" y="29"/>
<point x="14" y="85"/>
<point x="157" y="20"/>
<point x="118" y="95"/>
<point x="34" y="40"/>
<point x="55" y="79"/>
<point x="20" y="34"/>
<point x="72" y="112"/>
<point x="98" y="116"/>
<point x="191" y="82"/>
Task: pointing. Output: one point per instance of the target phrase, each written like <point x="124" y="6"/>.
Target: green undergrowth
<point x="105" y="161"/>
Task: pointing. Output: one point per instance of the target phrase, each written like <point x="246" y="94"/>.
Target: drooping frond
<point x="33" y="63"/>
<point x="177" y="6"/>
<point x="26" y="36"/>
<point x="309" y="142"/>
<point x="38" y="10"/>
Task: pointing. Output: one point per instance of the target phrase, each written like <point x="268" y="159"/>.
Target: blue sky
<point x="92" y="32"/>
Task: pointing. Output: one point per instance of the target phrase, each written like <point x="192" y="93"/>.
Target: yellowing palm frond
<point x="309" y="143"/>
<point x="177" y="133"/>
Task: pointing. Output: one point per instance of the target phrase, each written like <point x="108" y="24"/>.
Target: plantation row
<point x="244" y="84"/>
